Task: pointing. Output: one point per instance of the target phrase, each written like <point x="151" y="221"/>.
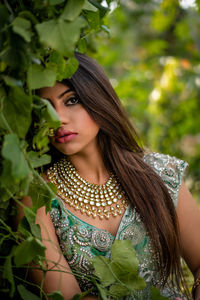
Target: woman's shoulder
<point x="170" y="168"/>
<point x="160" y="161"/>
<point x="170" y="165"/>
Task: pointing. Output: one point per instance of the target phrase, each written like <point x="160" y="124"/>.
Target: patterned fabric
<point x="80" y="241"/>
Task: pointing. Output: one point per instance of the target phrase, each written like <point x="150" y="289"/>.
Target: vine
<point x="37" y="44"/>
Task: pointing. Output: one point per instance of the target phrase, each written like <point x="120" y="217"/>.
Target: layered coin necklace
<point x="95" y="200"/>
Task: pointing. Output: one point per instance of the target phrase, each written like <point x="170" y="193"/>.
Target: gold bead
<point x="88" y="198"/>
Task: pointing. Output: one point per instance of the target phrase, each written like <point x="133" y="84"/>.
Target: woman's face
<point x="78" y="131"/>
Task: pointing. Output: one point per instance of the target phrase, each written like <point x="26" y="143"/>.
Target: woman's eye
<point x="72" y="101"/>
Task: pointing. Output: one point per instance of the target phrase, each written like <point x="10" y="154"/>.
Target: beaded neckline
<point x="94" y="200"/>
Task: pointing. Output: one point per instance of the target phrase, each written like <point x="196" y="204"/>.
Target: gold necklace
<point x="95" y="200"/>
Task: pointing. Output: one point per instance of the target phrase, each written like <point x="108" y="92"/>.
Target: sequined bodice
<point x="80" y="241"/>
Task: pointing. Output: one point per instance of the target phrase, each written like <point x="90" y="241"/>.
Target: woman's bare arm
<point x="189" y="224"/>
<point x="54" y="280"/>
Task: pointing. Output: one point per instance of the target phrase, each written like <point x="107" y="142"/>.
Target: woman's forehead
<point x="55" y="91"/>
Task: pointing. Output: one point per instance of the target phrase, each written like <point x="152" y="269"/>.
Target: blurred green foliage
<point x="152" y="59"/>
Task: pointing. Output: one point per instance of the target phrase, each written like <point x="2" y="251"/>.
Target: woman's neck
<point x="90" y="166"/>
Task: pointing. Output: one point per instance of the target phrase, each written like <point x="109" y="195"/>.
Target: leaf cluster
<point x="152" y="58"/>
<point x="117" y="276"/>
<point x="37" y="44"/>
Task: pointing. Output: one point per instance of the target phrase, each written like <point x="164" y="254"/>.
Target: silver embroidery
<point x="101" y="240"/>
<point x="77" y="239"/>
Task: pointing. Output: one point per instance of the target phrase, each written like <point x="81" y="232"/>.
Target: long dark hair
<point x="122" y="154"/>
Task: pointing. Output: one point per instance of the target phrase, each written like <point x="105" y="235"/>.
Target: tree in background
<point x="152" y="58"/>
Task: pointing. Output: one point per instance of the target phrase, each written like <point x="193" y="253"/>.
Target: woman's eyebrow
<point x="65" y="92"/>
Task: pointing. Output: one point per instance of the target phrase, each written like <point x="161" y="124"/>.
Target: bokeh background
<point x="152" y="57"/>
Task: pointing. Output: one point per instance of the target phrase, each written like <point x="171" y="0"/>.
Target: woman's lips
<point x="66" y="138"/>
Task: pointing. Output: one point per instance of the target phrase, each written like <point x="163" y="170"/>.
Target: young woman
<point x="108" y="189"/>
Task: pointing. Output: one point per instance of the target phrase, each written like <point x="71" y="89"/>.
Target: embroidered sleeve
<point x="55" y="213"/>
<point x="170" y="169"/>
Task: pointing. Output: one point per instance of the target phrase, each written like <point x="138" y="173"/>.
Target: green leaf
<point x="82" y="46"/>
<point x="36" y="160"/>
<point x="89" y="6"/>
<point x="71" y="67"/>
<point x="7" y="180"/>
<point x="24" y="227"/>
<point x="12" y="152"/>
<point x="60" y="35"/>
<point x="125" y="264"/>
<point x="155" y="294"/>
<point x="16" y="109"/>
<point x="50" y="114"/>
<point x="30" y="215"/>
<point x="57" y="295"/>
<point x="12" y="81"/>
<point x="16" y="54"/>
<point x="8" y="274"/>
<point x="117" y="291"/>
<point x="55" y="2"/>
<point x="41" y="141"/>
<point x="64" y="68"/>
<point x="41" y="196"/>
<point x="93" y="19"/>
<point x="123" y="253"/>
<point x="28" y="250"/>
<point x="22" y="27"/>
<point x="26" y="294"/>
<point x="101" y="9"/>
<point x="4" y="195"/>
<point x="128" y="276"/>
<point x="57" y="61"/>
<point x="39" y="77"/>
<point x="102" y="270"/>
<point x="72" y="10"/>
<point x="3" y="16"/>
<point x="103" y="291"/>
<point x="3" y="95"/>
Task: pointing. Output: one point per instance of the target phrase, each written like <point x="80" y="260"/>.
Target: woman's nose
<point x="63" y="115"/>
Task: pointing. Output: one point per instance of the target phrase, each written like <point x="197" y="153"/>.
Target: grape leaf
<point x="16" y="109"/>
<point x="26" y="294"/>
<point x="12" y="152"/>
<point x="28" y="250"/>
<point x="60" y="35"/>
<point x="22" y="27"/>
<point x="39" y="77"/>
<point x="72" y="10"/>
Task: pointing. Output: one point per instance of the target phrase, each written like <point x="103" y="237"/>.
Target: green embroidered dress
<point x="78" y="239"/>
